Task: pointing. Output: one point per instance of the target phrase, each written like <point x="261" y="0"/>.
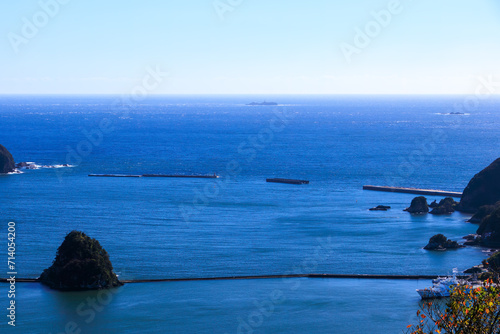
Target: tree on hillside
<point x="468" y="310"/>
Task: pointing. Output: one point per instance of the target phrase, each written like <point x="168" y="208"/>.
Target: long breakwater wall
<point x="157" y="175"/>
<point x="416" y="191"/>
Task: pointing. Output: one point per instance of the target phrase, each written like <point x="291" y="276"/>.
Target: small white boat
<point x="441" y="287"/>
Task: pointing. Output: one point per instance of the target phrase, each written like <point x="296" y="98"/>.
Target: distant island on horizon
<point x="265" y="103"/>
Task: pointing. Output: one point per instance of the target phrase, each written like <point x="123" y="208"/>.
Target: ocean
<point x="238" y="224"/>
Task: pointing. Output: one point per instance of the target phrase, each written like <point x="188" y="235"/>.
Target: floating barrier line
<point x="355" y="276"/>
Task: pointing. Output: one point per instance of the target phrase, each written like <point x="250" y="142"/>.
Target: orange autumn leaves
<point x="468" y="310"/>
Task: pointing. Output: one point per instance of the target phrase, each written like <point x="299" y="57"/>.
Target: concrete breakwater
<point x="288" y="181"/>
<point x="416" y="191"/>
<point x="113" y="175"/>
<point x="157" y="175"/>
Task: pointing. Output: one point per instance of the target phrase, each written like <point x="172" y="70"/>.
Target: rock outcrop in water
<point x="483" y="189"/>
<point x="80" y="264"/>
<point x="445" y="206"/>
<point x="418" y="205"/>
<point x="440" y="242"/>
<point x="7" y="164"/>
<point x="380" y="208"/>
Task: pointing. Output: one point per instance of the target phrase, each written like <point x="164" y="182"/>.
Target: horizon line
<point x="243" y="94"/>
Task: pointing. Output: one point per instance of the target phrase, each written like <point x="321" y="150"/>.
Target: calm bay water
<point x="239" y="224"/>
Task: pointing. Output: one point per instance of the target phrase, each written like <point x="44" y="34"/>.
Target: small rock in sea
<point x="445" y="206"/>
<point x="440" y="242"/>
<point x="418" y="206"/>
<point x="380" y="208"/>
<point x="433" y="205"/>
<point x="27" y="165"/>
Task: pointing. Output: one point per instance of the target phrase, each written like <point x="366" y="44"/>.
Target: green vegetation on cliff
<point x="483" y="212"/>
<point x="490" y="228"/>
<point x="493" y="263"/>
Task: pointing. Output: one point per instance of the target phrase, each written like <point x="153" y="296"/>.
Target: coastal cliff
<point x="7" y="164"/>
<point x="80" y="264"/>
<point x="483" y="212"/>
<point x="483" y="189"/>
<point x="489" y="230"/>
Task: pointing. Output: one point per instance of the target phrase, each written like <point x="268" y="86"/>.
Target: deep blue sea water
<point x="239" y="224"/>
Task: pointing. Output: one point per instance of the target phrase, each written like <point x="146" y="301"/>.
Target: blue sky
<point x="254" y="47"/>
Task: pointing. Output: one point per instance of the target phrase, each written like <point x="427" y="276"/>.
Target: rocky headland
<point x="7" y="164"/>
<point x="482" y="198"/>
<point x="489" y="229"/>
<point x="483" y="189"/>
<point x="483" y="212"/>
<point x="488" y="269"/>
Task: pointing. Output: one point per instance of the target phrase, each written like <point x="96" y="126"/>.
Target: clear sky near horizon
<point x="248" y="46"/>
